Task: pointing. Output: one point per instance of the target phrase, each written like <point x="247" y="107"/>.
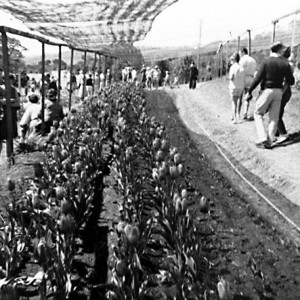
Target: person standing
<point x="30" y="119"/>
<point x="167" y="80"/>
<point x="193" y="76"/>
<point x="273" y="71"/>
<point x="156" y="77"/>
<point x="82" y="87"/>
<point x="89" y="85"/>
<point x="236" y="86"/>
<point x="96" y="83"/>
<point x="281" y="134"/>
<point x="53" y="111"/>
<point x="249" y="65"/>
<point x="143" y="76"/>
<point x="102" y="81"/>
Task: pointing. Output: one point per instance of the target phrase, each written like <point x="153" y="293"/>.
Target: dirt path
<point x="208" y="108"/>
<point x="273" y="173"/>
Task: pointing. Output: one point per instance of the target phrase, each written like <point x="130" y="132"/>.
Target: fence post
<point x="274" y="30"/>
<point x="249" y="42"/>
<point x="94" y="72"/>
<point x="84" y="79"/>
<point x="71" y="83"/>
<point x="9" y="123"/>
<point x="59" y="73"/>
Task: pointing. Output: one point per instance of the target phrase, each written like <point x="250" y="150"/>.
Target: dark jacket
<point x="272" y="72"/>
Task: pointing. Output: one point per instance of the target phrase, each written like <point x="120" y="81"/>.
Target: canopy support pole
<point x="43" y="83"/>
<point x="238" y="43"/>
<point x="94" y="72"/>
<point x="274" y="31"/>
<point x="70" y="82"/>
<point x="59" y="73"/>
<point x="9" y="141"/>
<point x="84" y="78"/>
<point x="249" y="42"/>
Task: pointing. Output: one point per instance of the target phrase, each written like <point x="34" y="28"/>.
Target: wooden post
<point x="249" y="42"/>
<point x="99" y="64"/>
<point x="84" y="79"/>
<point x="70" y="84"/>
<point x="59" y="73"/>
<point x="294" y="32"/>
<point x="274" y="30"/>
<point x="9" y="123"/>
<point x="94" y="72"/>
<point x="221" y="60"/>
<point x="104" y="67"/>
<point x="238" y="43"/>
<point x="43" y="82"/>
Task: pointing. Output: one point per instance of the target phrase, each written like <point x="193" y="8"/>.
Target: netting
<point x="107" y="26"/>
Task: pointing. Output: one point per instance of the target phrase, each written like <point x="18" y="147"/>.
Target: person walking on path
<point x="236" y="86"/>
<point x="273" y="71"/>
<point x="89" y="85"/>
<point x="281" y="134"/>
<point x="193" y="76"/>
<point x="249" y="65"/>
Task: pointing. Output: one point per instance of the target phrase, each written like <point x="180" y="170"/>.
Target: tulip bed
<point x="160" y="249"/>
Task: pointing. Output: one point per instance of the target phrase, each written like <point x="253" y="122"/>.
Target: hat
<point x="277" y="47"/>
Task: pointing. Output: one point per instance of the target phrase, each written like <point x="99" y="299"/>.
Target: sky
<point x="195" y="22"/>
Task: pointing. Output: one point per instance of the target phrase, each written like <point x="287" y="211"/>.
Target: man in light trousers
<point x="271" y="74"/>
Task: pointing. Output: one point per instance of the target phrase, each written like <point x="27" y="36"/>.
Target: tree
<point x="55" y="63"/>
<point x="16" y="59"/>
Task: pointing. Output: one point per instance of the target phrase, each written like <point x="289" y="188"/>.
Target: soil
<point x="261" y="261"/>
<point x="257" y="249"/>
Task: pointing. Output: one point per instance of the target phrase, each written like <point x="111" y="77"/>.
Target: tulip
<point x="177" y="158"/>
<point x="121" y="267"/>
<point x="66" y="207"/>
<point x="156" y="143"/>
<point x="121" y="225"/>
<point x="173" y="172"/>
<point x="165" y="145"/>
<point x="184" y="193"/>
<point x="60" y="192"/>
<point x="132" y="233"/>
<point x="204" y="205"/>
<point x="159" y="155"/>
<point x="66" y="224"/>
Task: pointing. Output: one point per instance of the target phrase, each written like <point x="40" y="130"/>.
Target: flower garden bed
<point x="125" y="207"/>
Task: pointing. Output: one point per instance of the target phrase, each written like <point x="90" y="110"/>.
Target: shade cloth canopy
<point x="104" y="26"/>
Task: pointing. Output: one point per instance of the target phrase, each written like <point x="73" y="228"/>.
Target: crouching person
<point x="53" y="111"/>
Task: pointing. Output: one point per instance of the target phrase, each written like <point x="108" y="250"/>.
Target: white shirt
<point x="236" y="77"/>
<point x="249" y="65"/>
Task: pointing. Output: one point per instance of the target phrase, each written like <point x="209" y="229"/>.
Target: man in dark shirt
<point x="193" y="76"/>
<point x="273" y="71"/>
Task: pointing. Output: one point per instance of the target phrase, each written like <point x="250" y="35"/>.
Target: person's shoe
<point x="264" y="145"/>
<point x="282" y="138"/>
<point x="245" y="117"/>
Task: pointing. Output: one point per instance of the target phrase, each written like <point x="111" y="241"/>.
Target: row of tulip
<point x="44" y="224"/>
<point x="160" y="251"/>
<point x="159" y="244"/>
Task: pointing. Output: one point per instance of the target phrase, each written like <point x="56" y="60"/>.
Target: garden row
<point x="161" y="252"/>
